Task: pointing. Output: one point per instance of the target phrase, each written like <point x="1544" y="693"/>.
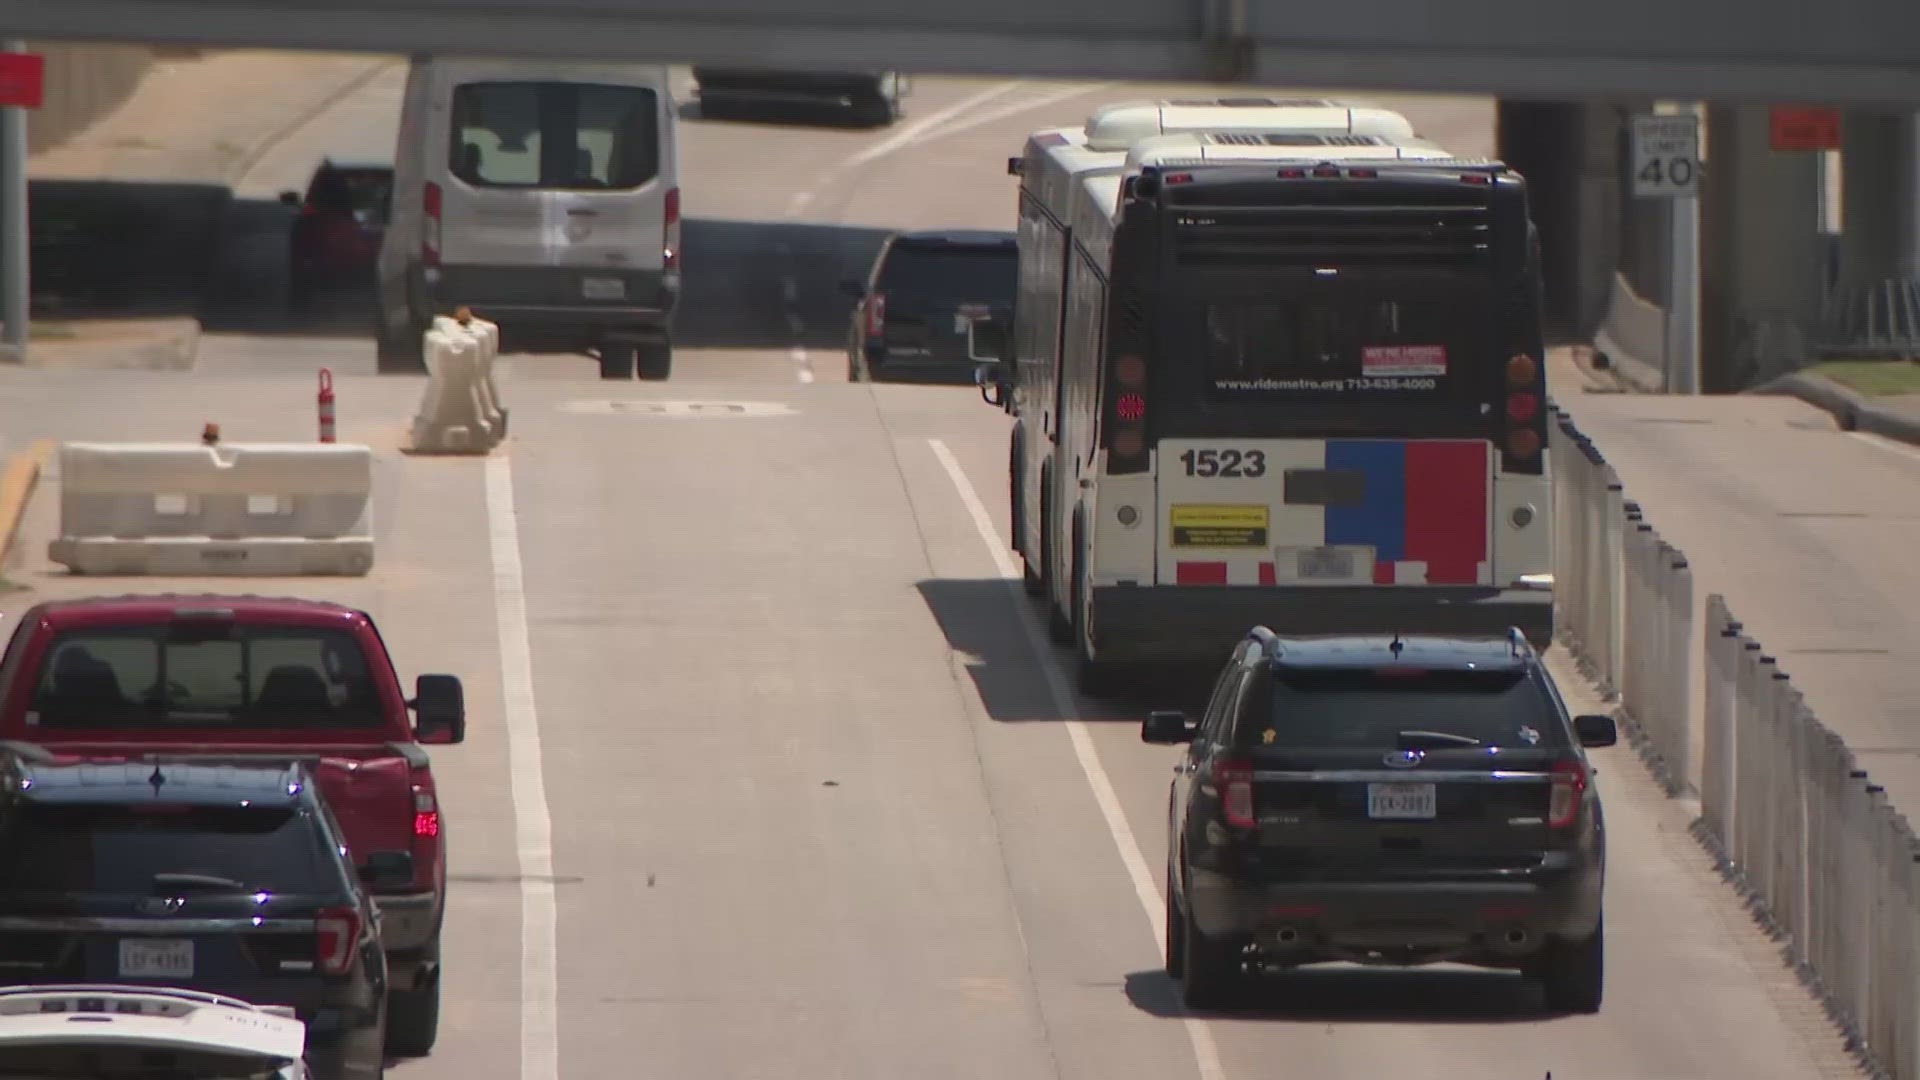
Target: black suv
<point x="1388" y="801"/>
<point x="226" y="878"/>
<point x="934" y="304"/>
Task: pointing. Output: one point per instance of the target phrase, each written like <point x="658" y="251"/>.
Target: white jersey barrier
<point x="232" y="510"/>
<point x="460" y="413"/>
<point x="1795" y="823"/>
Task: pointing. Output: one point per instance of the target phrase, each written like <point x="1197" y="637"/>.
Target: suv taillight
<point x="1234" y="779"/>
<point x="1569" y="784"/>
<point x="876" y="311"/>
<point x="338" y="932"/>
<point x="430" y="226"/>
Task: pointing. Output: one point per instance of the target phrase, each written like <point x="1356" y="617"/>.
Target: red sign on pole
<point x="1804" y="129"/>
<point x="23" y="80"/>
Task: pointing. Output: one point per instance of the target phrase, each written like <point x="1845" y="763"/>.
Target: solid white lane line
<point x="1206" y="1053"/>
<point x="533" y="826"/>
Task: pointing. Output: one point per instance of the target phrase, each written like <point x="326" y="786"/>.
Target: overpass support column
<point x="1570" y="155"/>
<point x="15" y="256"/>
<point x="1877" y="197"/>
<point x="1760" y="253"/>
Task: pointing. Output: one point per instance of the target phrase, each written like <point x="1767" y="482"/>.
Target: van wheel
<point x="656" y="362"/>
<point x="617" y="361"/>
<point x="400" y="354"/>
<point x="413" y="1021"/>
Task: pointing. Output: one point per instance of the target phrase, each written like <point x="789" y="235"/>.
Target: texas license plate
<point x="150" y="958"/>
<point x="1323" y="564"/>
<point x="603" y="288"/>
<point x="1400" y="801"/>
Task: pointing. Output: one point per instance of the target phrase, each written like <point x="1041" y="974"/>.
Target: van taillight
<point x="430" y="227"/>
<point x="670" y="233"/>
<point x="1127" y="416"/>
<point x="876" y="310"/>
<point x="1234" y="779"/>
<point x="1569" y="784"/>
<point x="337" y="932"/>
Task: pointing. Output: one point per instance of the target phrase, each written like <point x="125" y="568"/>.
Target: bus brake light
<point x="1364" y="174"/>
<point x="1293" y="174"/>
<point x="1130" y="407"/>
<point x="1475" y="178"/>
<point x="1521" y="406"/>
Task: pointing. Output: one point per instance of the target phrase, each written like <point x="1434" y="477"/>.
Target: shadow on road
<point x="737" y="276"/>
<point x="981" y="620"/>
<point x="107" y="249"/>
<point x="1349" y="995"/>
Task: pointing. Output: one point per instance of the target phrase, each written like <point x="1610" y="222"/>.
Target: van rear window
<point x="556" y="135"/>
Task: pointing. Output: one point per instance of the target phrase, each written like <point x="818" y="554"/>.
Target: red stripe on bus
<point x="1267" y="574"/>
<point x="1200" y="573"/>
<point x="1447" y="509"/>
<point x="1383" y="573"/>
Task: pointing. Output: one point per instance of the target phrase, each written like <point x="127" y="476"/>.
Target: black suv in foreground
<point x="1386" y="801"/>
<point x="223" y="878"/>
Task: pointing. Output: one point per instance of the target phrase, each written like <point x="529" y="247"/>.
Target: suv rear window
<point x="348" y="190"/>
<point x="957" y="272"/>
<point x="119" y="849"/>
<point x="560" y="135"/>
<point x="1364" y="709"/>
<point x="151" y="677"/>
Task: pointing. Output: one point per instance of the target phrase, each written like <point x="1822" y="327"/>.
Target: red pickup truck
<point x="250" y="678"/>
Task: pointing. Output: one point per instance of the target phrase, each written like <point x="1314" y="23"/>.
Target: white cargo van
<point x="545" y="196"/>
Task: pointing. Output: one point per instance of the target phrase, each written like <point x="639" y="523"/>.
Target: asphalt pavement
<point x="769" y="771"/>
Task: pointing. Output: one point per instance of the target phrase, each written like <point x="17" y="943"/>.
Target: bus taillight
<point x="1127" y="416"/>
<point x="1525" y="422"/>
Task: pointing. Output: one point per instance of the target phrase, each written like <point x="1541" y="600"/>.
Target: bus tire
<point x="1059" y="627"/>
<point x="1097" y="678"/>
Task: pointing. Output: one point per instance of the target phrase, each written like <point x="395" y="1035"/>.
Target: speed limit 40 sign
<point x="1666" y="157"/>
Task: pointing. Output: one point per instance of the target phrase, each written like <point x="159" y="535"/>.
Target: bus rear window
<point x="1332" y="344"/>
<point x="559" y="135"/>
<point x="249" y="677"/>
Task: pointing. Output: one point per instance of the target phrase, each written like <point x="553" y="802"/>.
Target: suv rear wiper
<point x="1416" y="740"/>
<point x="208" y="882"/>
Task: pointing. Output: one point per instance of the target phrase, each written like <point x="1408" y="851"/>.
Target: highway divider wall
<point x="1829" y="869"/>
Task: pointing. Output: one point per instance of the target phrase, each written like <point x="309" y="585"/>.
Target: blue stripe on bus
<point x="1380" y="518"/>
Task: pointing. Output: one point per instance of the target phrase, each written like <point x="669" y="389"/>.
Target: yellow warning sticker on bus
<point x="1219" y="526"/>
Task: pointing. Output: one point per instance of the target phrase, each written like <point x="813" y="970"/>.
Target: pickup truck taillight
<point x="337" y="930"/>
<point x="426" y="830"/>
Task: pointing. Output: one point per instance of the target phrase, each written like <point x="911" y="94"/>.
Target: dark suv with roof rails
<point x="936" y="304"/>
<point x="225" y="878"/>
<point x="1385" y="800"/>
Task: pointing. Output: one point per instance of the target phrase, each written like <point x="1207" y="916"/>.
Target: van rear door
<point x="571" y="173"/>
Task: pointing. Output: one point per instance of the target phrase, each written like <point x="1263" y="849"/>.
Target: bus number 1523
<point x="1227" y="463"/>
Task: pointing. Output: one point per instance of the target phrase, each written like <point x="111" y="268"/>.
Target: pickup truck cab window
<point x="247" y="676"/>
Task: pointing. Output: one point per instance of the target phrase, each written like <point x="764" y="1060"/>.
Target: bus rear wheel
<point x="1097" y="678"/>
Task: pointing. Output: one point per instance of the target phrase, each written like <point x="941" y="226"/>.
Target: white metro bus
<point x="1276" y="377"/>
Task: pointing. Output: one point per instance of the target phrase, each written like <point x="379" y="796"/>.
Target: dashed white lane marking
<point x="533" y="825"/>
<point x="1206" y="1053"/>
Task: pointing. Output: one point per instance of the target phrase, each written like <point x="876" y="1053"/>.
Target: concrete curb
<point x="174" y="348"/>
<point x="17" y="485"/>
<point x="1628" y="372"/>
<point x="1853" y="411"/>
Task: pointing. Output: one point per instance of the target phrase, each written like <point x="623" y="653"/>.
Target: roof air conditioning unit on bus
<point x="1115" y="128"/>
